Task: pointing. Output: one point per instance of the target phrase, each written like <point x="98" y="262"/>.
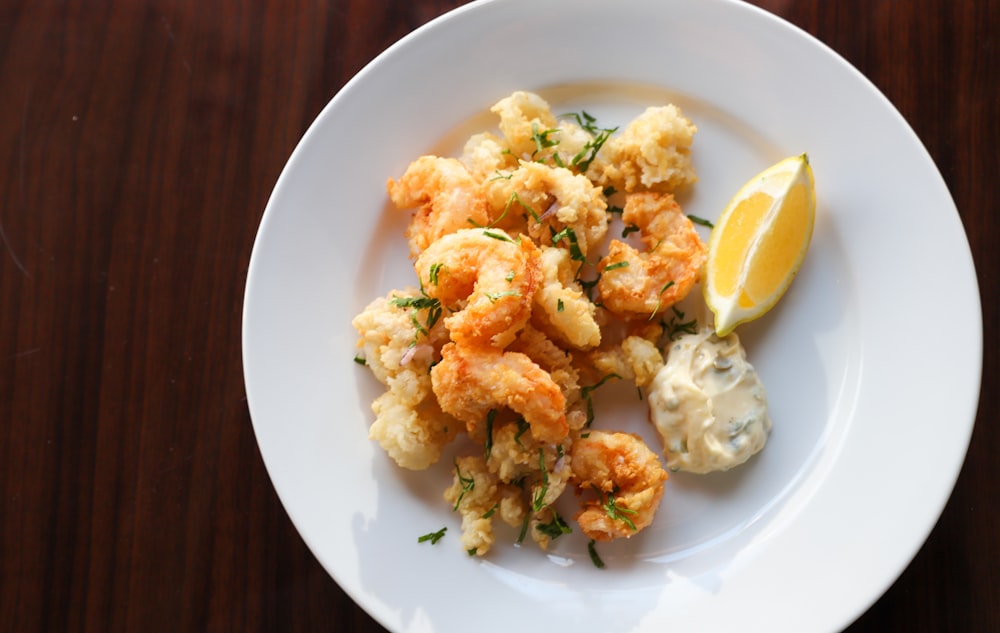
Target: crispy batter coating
<point x="561" y="308"/>
<point x="409" y="425"/>
<point x="653" y="153"/>
<point x="444" y="195"/>
<point x="470" y="381"/>
<point x="636" y="284"/>
<point x="487" y="279"/>
<point x="626" y="480"/>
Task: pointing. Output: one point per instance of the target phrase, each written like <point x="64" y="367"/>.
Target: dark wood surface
<point x="139" y="141"/>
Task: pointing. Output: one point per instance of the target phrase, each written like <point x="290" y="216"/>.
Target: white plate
<point x="872" y="360"/>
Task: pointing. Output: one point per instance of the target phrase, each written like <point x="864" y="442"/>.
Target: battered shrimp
<point x="561" y="309"/>
<point x="552" y="358"/>
<point x="470" y="381"/>
<point x="653" y="153"/>
<point x="626" y="477"/>
<point x="488" y="277"/>
<point x="445" y="196"/>
<point x="639" y="285"/>
<point x="552" y="201"/>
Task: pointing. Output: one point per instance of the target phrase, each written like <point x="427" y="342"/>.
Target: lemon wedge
<point x="759" y="242"/>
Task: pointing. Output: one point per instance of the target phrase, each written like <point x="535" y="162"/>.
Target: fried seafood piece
<point x="622" y="482"/>
<point x="636" y="284"/>
<point x="542" y="470"/>
<point x="553" y="204"/>
<point x="471" y="381"/>
<point x="487" y="278"/>
<point x="636" y="358"/>
<point x="559" y="363"/>
<point x="652" y="153"/>
<point x="399" y="337"/>
<point x="444" y="195"/>
<point x="409" y="425"/>
<point x="479" y="496"/>
<point x="413" y="435"/>
<point x="561" y="308"/>
<point x="486" y="156"/>
<point x="532" y="133"/>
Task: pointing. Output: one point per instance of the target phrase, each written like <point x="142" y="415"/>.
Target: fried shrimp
<point x="470" y="381"/>
<point x="626" y="479"/>
<point x="487" y="278"/>
<point x="556" y="205"/>
<point x="637" y="284"/>
<point x="653" y="153"/>
<point x="445" y="196"/>
<point x="561" y="309"/>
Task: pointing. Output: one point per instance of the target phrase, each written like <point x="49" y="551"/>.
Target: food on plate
<point x="446" y="198"/>
<point x="471" y="381"/>
<point x="708" y="404"/>
<point x="485" y="280"/>
<point x="640" y="284"/>
<point x="524" y="306"/>
<point x="623" y="482"/>
<point x="398" y="344"/>
<point x="759" y="242"/>
<point x="653" y="153"/>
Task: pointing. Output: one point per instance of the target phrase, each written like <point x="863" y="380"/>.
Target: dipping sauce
<point x="708" y="404"/>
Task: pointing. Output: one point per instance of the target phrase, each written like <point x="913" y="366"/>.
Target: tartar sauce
<point x="708" y="404"/>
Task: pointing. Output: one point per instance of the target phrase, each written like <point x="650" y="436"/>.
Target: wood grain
<point x="139" y="141"/>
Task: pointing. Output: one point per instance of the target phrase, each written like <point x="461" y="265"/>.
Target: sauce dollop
<point x="708" y="404"/>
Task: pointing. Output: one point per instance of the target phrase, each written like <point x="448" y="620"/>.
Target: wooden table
<point x="139" y="141"/>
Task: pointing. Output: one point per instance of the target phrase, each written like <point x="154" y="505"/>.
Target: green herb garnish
<point x="701" y="221"/>
<point x="467" y="483"/>
<point x="433" y="537"/>
<point x="594" y="558"/>
<point x="554" y="528"/>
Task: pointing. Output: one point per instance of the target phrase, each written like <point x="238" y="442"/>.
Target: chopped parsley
<point x="701" y="221"/>
<point x="616" y="265"/>
<point x="522" y="426"/>
<point x="659" y="300"/>
<point x="434" y="272"/>
<point x="617" y="513"/>
<point x="416" y="304"/>
<point x="360" y="360"/>
<point x="601" y="135"/>
<point x="433" y="537"/>
<point x="496" y="296"/>
<point x="678" y="326"/>
<point x="497" y="236"/>
<point x="468" y="484"/>
<point x="489" y="432"/>
<point x="554" y="528"/>
<point x="543" y="140"/>
<point x="587" y="390"/>
<point x="630" y="228"/>
<point x="539" y="498"/>
<point x="594" y="558"/>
